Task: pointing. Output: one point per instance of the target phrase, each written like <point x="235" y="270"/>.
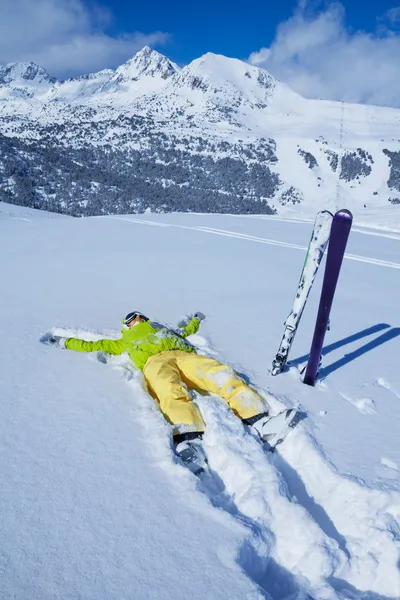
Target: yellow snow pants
<point x="169" y="375"/>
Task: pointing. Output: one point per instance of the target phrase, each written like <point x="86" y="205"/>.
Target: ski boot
<point x="273" y="430"/>
<point x="189" y="449"/>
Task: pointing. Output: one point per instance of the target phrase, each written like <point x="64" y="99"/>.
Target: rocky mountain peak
<point x="147" y="62"/>
<point x="23" y="73"/>
<point x="217" y="72"/>
<point x="227" y="82"/>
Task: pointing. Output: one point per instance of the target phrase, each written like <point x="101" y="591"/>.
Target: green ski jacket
<point x="141" y="341"/>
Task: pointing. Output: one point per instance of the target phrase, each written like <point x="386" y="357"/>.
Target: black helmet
<point x="132" y="315"/>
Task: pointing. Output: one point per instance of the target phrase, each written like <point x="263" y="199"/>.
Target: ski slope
<point x="94" y="504"/>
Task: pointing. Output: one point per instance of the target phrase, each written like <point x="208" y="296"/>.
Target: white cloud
<point x="65" y="36"/>
<point x="393" y="15"/>
<point x="260" y="57"/>
<point x="319" y="57"/>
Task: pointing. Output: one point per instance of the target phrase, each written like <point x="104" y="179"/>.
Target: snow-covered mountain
<point x="217" y="135"/>
<point x="77" y="88"/>
<point x="146" y="64"/>
<point x="24" y="80"/>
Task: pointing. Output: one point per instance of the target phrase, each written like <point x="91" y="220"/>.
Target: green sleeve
<point x="108" y="346"/>
<point x="189" y="329"/>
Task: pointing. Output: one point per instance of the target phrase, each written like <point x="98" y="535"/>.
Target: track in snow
<point x="251" y="238"/>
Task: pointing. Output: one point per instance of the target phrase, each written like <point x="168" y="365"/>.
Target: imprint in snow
<point x="288" y="544"/>
<point x="385" y="384"/>
<point x="297" y="370"/>
<point x="364" y="405"/>
<point x="198" y="340"/>
<point x="201" y="344"/>
<point x="321" y="385"/>
<point x="389" y="463"/>
<point x="358" y="514"/>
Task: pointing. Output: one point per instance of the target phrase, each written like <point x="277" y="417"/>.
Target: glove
<point x="56" y="340"/>
<point x="199" y="315"/>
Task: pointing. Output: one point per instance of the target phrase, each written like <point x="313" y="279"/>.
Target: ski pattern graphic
<point x="316" y="247"/>
<point x="340" y="230"/>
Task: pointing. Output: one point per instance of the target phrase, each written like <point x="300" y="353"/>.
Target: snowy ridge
<point x="79" y="87"/>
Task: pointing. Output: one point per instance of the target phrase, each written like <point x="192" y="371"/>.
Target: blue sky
<point x="346" y="50"/>
<point x="221" y="27"/>
<point x="231" y="28"/>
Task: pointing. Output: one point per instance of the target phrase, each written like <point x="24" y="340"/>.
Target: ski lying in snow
<point x="315" y="252"/>
<point x="288" y="424"/>
<point x="340" y="230"/>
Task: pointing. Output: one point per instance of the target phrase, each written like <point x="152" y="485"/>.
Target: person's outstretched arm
<point x="106" y="345"/>
<point x="192" y="326"/>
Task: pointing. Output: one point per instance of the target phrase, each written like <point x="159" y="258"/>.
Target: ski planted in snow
<point x="340" y="230"/>
<point x="316" y="247"/>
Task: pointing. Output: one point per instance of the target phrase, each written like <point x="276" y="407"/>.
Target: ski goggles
<point x="132" y="315"/>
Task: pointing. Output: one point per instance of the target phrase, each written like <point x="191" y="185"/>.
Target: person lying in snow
<point x="170" y="367"/>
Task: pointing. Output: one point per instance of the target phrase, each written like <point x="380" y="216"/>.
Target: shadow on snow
<point x="275" y="582"/>
<point x="351" y="593"/>
<point x="347" y="358"/>
<point x="298" y="490"/>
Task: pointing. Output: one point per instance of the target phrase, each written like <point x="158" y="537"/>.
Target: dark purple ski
<point x="341" y="225"/>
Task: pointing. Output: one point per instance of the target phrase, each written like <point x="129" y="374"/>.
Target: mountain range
<point x="218" y="135"/>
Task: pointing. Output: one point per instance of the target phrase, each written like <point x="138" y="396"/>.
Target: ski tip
<point x="345" y="213"/>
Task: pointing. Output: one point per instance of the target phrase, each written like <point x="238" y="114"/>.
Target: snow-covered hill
<point x="93" y="503"/>
<point x="218" y="135"/>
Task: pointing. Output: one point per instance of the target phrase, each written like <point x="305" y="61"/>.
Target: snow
<point x="79" y="87"/>
<point x="94" y="503"/>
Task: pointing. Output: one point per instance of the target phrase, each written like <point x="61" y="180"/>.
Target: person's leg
<point x="210" y="375"/>
<point x="164" y="382"/>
